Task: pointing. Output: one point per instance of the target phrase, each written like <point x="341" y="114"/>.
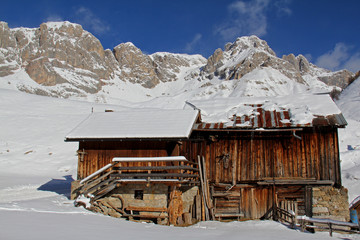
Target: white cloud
<point x="190" y="46"/>
<point x="246" y="18"/>
<point x="54" y="18"/>
<point x="90" y="21"/>
<point x="353" y="63"/>
<point x="250" y="17"/>
<point x="334" y="58"/>
<point x="308" y="56"/>
<point x="340" y="58"/>
<point x="282" y="7"/>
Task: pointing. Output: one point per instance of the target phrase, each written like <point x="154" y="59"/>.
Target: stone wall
<point x="330" y="202"/>
<point x="188" y="197"/>
<point x="155" y="195"/>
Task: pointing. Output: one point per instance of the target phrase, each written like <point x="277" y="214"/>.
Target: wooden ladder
<point x="227" y="204"/>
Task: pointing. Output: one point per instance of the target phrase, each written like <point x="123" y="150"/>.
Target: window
<point x="139" y="194"/>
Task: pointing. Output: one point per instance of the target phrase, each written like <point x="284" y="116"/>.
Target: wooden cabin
<point x="134" y="156"/>
<point x="267" y="152"/>
<point x="236" y="160"/>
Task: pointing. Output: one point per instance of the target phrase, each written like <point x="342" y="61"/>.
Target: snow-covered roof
<point x="355" y="203"/>
<point x="268" y="112"/>
<point x="136" y="124"/>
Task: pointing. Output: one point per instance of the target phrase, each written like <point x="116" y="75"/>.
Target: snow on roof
<point x="354" y="203"/>
<point x="269" y="112"/>
<point x="136" y="123"/>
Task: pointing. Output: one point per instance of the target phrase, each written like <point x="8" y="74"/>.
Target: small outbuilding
<point x="133" y="157"/>
<point x="355" y="210"/>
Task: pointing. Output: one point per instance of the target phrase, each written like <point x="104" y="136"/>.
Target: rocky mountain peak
<point x="150" y="70"/>
<point x="248" y="43"/>
<point x="239" y="58"/>
<point x="6" y="41"/>
<point x="135" y="66"/>
<point x="63" y="28"/>
<point x="64" y="60"/>
<point x="248" y="54"/>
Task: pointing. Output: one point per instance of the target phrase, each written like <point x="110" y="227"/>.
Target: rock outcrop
<point x="150" y="70"/>
<point x="63" y="53"/>
<point x="339" y="79"/>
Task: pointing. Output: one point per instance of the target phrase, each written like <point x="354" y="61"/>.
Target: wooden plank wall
<point x="258" y="156"/>
<point x="99" y="154"/>
<point x="257" y="200"/>
<point x="293" y="193"/>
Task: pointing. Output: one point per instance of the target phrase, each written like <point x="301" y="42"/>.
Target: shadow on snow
<point x="59" y="186"/>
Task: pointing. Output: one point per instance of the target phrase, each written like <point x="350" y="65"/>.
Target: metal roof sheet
<point x="261" y="118"/>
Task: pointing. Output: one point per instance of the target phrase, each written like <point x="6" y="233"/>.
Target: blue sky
<point x="327" y="32"/>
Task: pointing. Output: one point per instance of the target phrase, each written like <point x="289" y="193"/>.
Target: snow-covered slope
<point x="349" y="103"/>
<point x="37" y="167"/>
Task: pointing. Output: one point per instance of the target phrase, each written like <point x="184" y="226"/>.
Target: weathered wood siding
<point x="101" y="153"/>
<point x="258" y="156"/>
<point x="255" y="201"/>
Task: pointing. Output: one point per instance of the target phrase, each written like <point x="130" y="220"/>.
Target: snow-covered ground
<point x="37" y="167"/>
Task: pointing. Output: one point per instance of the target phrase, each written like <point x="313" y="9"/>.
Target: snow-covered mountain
<point x="61" y="59"/>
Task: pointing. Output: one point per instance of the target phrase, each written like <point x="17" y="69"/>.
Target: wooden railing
<point x="282" y="215"/>
<point x="305" y="223"/>
<point x="177" y="169"/>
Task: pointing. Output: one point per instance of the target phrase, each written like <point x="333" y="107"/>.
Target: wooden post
<point x="274" y="203"/>
<point x="175" y="208"/>
<point x="80" y="171"/>
<point x="203" y="189"/>
<point x="308" y="201"/>
<point x="330" y="229"/>
<point x="209" y="202"/>
<point x="302" y="225"/>
<point x="187" y="218"/>
<point x="234" y="159"/>
<point x="149" y="172"/>
<point x="198" y="207"/>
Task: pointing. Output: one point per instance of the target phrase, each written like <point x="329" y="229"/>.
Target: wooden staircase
<point x="174" y="169"/>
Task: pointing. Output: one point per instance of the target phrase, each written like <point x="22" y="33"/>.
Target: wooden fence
<point x="306" y="223"/>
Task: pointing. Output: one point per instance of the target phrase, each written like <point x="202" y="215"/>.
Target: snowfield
<point x="37" y="167"/>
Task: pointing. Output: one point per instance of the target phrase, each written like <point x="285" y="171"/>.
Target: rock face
<point x="302" y="65"/>
<point x="63" y="53"/>
<point x="58" y="53"/>
<point x="150" y="70"/>
<point x="135" y="66"/>
<point x="8" y="54"/>
<point x="64" y="60"/>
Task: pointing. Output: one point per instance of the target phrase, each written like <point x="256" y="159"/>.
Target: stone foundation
<point x="141" y="196"/>
<point x="330" y="202"/>
<point x="155" y="195"/>
<point x="188" y="197"/>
